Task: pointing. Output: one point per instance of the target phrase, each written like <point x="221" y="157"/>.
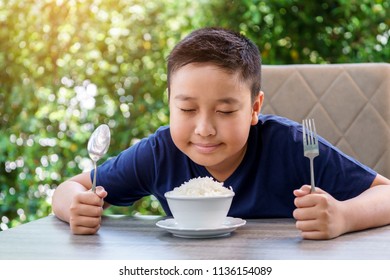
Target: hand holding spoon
<point x="97" y="147"/>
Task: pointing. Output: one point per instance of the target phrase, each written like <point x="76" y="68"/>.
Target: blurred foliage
<point x="67" y="66"/>
<point x="296" y="31"/>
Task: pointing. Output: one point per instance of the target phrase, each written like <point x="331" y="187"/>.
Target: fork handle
<point x="313" y="188"/>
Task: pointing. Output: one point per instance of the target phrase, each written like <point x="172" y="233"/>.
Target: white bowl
<point x="195" y="212"/>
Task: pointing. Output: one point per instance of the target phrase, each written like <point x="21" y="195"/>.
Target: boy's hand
<point x="318" y="215"/>
<point x="86" y="211"/>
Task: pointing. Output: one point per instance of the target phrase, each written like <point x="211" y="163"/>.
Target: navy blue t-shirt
<point x="272" y="168"/>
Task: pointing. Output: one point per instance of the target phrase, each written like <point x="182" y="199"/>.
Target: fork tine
<point x="315" y="133"/>
<point x="304" y="131"/>
<point x="311" y="136"/>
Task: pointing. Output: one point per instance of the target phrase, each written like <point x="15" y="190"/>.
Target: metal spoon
<point x="97" y="147"/>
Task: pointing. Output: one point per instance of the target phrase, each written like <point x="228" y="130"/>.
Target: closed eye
<point x="187" y="110"/>
<point x="227" y="112"/>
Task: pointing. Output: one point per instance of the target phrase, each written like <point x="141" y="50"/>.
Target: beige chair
<point x="349" y="102"/>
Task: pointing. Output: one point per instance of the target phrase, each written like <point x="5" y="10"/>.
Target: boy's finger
<point x="88" y="198"/>
<point x="84" y="230"/>
<point x="101" y="192"/>
<point x="86" y="210"/>
<point x="304" y="190"/>
<point x="305" y="201"/>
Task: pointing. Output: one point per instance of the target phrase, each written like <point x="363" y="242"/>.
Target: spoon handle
<point x="93" y="189"/>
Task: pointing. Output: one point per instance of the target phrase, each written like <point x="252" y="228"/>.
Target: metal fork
<point x="310" y="146"/>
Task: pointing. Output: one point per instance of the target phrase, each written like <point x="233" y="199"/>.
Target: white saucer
<point x="229" y="225"/>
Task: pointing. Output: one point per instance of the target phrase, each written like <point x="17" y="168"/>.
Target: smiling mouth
<point x="206" y="148"/>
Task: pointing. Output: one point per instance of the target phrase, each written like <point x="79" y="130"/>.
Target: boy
<point x="216" y="130"/>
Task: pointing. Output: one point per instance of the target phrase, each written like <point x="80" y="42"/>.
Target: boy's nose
<point x="205" y="127"/>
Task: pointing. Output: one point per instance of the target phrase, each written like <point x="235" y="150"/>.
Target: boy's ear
<point x="256" y="107"/>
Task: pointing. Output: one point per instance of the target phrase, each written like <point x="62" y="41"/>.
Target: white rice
<point x="202" y="186"/>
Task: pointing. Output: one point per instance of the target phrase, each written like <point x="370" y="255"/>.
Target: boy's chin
<point x="207" y="161"/>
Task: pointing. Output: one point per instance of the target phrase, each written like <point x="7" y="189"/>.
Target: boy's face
<point x="211" y="112"/>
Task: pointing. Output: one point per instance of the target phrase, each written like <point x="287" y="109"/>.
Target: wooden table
<point x="122" y="238"/>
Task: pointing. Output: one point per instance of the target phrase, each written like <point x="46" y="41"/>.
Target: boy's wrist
<point x="347" y="217"/>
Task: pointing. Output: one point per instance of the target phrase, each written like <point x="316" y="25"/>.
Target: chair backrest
<point x="349" y="102"/>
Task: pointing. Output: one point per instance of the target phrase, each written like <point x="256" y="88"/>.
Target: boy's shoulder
<point x="272" y="127"/>
<point x="163" y="130"/>
<point x="276" y="122"/>
<point x="161" y="135"/>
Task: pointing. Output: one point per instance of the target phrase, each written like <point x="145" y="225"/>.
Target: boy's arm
<point x="371" y="208"/>
<point x="320" y="216"/>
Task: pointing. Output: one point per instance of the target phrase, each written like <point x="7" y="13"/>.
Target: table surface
<point x="122" y="237"/>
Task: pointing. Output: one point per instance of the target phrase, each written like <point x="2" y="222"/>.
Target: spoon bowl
<point x="97" y="147"/>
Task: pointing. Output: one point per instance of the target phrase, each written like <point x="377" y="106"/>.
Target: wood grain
<point x="122" y="237"/>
